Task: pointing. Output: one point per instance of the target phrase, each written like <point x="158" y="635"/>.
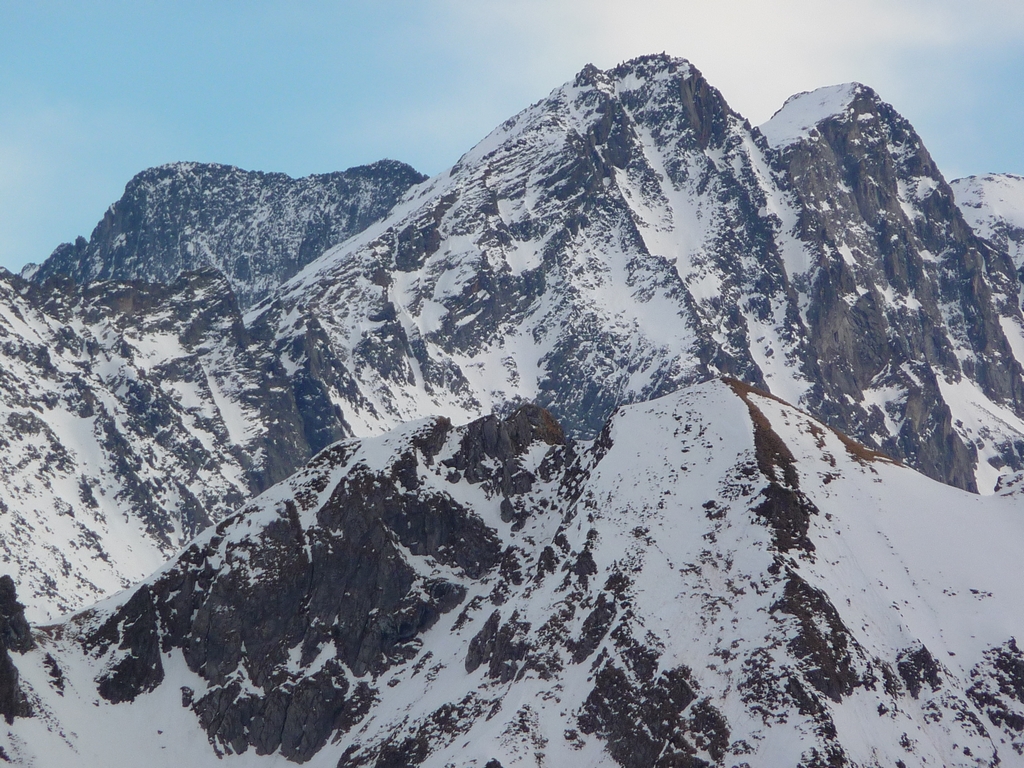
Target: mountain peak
<point x="641" y="68"/>
<point x="654" y="67"/>
<point x="186" y="215"/>
<point x="803" y="112"/>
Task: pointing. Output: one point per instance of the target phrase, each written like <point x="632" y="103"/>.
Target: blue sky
<point x="93" y="92"/>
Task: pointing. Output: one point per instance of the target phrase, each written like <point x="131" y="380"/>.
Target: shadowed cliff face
<point x="16" y="636"/>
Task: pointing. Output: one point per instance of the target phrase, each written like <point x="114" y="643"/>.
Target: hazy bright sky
<point x="93" y="92"/>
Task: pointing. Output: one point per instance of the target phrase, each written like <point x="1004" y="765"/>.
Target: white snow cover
<point x="668" y="264"/>
<point x="665" y="272"/>
<point x="668" y="498"/>
<point x="92" y="500"/>
<point x="801" y="113"/>
<point x="991" y="200"/>
<point x="993" y="205"/>
<point x="645" y="279"/>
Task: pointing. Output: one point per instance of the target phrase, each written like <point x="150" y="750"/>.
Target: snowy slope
<point x="994" y="206"/>
<point x="717" y="579"/>
<point x="132" y="416"/>
<point x="626" y="236"/>
<point x="802" y="112"/>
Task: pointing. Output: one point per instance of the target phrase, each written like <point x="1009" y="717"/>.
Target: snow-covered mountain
<point x="716" y="579"/>
<point x="910" y="312"/>
<point x="132" y="416"/>
<point x="994" y="206"/>
<point x="626" y="236"/>
<point x="257" y="228"/>
<point x="631" y="234"/>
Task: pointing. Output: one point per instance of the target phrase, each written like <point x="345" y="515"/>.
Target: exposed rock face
<point x="383" y="608"/>
<point x="15" y="633"/>
<point x="16" y="636"/>
<point x="257" y="228"/>
<point x="332" y="569"/>
<point x="632" y="234"/>
<point x="904" y="297"/>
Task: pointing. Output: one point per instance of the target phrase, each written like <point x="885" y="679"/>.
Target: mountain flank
<point x="627" y="237"/>
<point x="717" y="579"/>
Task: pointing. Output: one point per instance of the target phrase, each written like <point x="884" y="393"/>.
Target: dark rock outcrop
<point x="997" y="689"/>
<point x="644" y="726"/>
<point x="329" y="576"/>
<point x="16" y="636"/>
<point x="823" y="642"/>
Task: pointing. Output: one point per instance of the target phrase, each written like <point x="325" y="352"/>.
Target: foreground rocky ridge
<point x="257" y="228"/>
<point x="717" y="579"/>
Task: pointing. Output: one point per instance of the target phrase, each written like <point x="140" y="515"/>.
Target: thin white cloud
<point x="756" y="52"/>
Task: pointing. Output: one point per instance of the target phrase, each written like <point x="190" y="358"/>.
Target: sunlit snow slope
<point x="132" y="416"/>
<point x="994" y="206"/>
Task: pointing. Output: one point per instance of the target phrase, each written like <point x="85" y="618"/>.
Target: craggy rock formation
<point x="628" y="235"/>
<point x="331" y="570"/>
<point x="15" y="636"/>
<point x="906" y="293"/>
<point x="631" y="234"/>
<point x="257" y="228"/>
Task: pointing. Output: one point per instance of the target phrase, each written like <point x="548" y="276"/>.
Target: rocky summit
<point x="642" y="436"/>
<point x="716" y="579"/>
<point x="631" y="234"/>
<point x="994" y="207"/>
<point x="258" y="229"/>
